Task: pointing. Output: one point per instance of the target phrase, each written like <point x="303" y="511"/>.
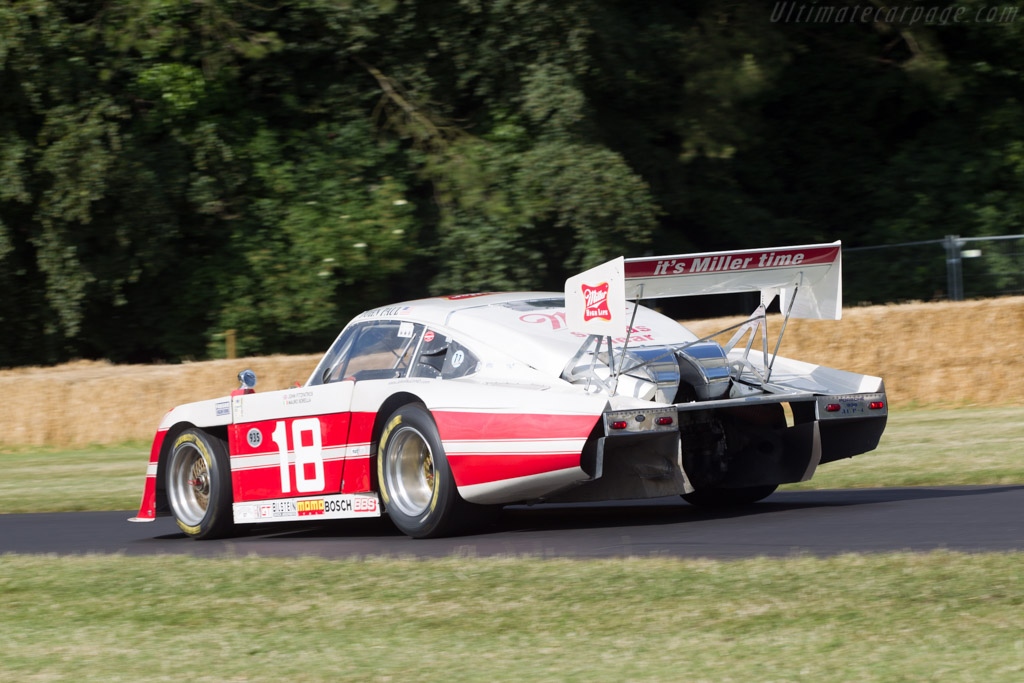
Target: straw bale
<point x="95" y="402"/>
<point x="963" y="353"/>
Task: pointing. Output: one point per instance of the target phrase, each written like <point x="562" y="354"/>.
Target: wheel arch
<point x="420" y="505"/>
<point x="163" y="506"/>
<point x="386" y="410"/>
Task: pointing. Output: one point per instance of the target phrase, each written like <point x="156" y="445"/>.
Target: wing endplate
<point x="595" y="300"/>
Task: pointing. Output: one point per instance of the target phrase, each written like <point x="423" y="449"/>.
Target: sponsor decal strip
<point x="724" y="262"/>
<point x="337" y="506"/>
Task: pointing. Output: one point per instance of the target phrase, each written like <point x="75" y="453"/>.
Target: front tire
<point x="720" y="497"/>
<point x="199" y="484"/>
<point x="415" y="479"/>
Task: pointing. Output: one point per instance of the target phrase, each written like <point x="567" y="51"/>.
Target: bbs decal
<point x="366" y="505"/>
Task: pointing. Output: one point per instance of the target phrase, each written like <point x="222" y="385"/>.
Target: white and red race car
<point x="436" y="410"/>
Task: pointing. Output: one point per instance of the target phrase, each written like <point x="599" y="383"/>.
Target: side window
<point x="442" y="356"/>
<point x="379" y="350"/>
<point x="459" y="362"/>
<point x="335" y="355"/>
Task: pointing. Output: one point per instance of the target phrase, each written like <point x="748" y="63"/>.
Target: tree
<point x="175" y="168"/>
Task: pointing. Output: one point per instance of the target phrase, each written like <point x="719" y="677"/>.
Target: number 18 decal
<point x="313" y="454"/>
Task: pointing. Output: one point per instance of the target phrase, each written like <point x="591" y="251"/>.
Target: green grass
<point x="935" y="448"/>
<point x="920" y="447"/>
<point x="94" y="478"/>
<point x="936" y="616"/>
<point x="933" y="616"/>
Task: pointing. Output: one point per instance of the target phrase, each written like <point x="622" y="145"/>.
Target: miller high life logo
<point x="596" y="299"/>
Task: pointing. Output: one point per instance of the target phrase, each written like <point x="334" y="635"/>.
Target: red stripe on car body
<point x="483" y="468"/>
<point x="478" y="426"/>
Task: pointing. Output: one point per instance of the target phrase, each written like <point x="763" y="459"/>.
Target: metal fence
<point x="953" y="268"/>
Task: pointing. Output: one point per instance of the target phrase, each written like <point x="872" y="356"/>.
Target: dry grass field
<point x="942" y="354"/>
<point x="94" y="402"/>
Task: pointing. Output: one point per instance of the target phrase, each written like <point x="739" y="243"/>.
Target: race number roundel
<point x="254" y="437"/>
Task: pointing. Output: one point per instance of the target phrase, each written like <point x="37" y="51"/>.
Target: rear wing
<point x="807" y="278"/>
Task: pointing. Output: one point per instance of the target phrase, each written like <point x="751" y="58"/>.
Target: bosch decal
<point x="344" y="505"/>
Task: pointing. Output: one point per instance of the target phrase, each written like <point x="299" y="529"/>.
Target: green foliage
<point x="329" y="221"/>
<point x="516" y="219"/>
<point x="170" y="169"/>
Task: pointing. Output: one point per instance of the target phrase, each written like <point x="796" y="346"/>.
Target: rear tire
<point x="720" y="498"/>
<point x="416" y="482"/>
<point x="199" y="485"/>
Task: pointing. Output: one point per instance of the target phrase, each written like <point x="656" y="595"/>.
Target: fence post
<point x="954" y="270"/>
<point x="229" y="343"/>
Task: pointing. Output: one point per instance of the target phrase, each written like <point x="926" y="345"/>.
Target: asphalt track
<point x="820" y="523"/>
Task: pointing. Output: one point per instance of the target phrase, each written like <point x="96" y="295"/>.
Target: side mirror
<point x="247" y="378"/>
